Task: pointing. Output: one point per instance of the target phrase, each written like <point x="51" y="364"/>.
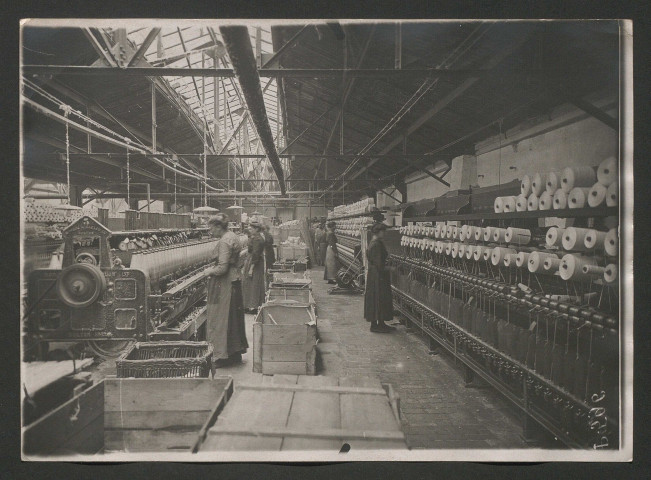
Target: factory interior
<point x="419" y="223"/>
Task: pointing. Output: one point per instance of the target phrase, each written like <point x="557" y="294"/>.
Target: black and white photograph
<point x="326" y="240"/>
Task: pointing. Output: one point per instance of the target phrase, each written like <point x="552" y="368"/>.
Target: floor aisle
<point x="438" y="410"/>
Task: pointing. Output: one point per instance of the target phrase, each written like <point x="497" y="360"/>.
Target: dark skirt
<point x="253" y="287"/>
<point x="237" y="342"/>
<point x="323" y="248"/>
<point x="331" y="265"/>
<point x="378" y="304"/>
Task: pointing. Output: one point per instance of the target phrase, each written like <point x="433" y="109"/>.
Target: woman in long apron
<point x="378" y="304"/>
<point x="254" y="270"/>
<point x="323" y="244"/>
<point x="224" y="310"/>
<point x="332" y="255"/>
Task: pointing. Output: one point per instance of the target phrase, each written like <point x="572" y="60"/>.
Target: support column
<point x="76" y="195"/>
<point x="463" y="173"/>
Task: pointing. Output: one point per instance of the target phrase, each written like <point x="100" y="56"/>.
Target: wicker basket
<point x="166" y="359"/>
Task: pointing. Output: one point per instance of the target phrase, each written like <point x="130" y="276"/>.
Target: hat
<point x="378" y="227"/>
<point x="255" y="224"/>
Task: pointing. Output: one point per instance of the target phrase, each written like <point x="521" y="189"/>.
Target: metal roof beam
<point x="151" y="36"/>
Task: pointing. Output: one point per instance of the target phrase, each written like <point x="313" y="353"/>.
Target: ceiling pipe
<point x="240" y="51"/>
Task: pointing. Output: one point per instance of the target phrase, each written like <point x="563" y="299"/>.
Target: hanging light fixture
<point x="67" y="207"/>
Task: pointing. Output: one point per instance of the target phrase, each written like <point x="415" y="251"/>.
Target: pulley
<point x="80" y="285"/>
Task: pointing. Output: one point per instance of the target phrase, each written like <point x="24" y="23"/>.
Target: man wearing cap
<point x="224" y="310"/>
<point x="378" y="304"/>
<point x="254" y="269"/>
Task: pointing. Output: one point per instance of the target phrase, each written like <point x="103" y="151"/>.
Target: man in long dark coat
<point x="270" y="255"/>
<point x="224" y="310"/>
<point x="378" y="304"/>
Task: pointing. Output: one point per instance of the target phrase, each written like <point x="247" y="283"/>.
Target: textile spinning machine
<point x="112" y="288"/>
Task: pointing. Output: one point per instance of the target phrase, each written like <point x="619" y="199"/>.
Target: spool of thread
<point x="594" y="270"/>
<point x="448" y="248"/>
<point x="487" y="254"/>
<point x="463" y="232"/>
<point x="437" y="231"/>
<point x="488" y="234"/>
<point x="455" y="232"/>
<point x="560" y="199"/>
<point x="520" y="203"/>
<point x="574" y="239"/>
<point x="521" y="259"/>
<point x="462" y="250"/>
<point x="612" y="195"/>
<point x="578" y="197"/>
<point x="551" y="264"/>
<point x="517" y="236"/>
<point x="470" y="250"/>
<point x="573" y="177"/>
<point x="499" y="235"/>
<point x="509" y="259"/>
<point x="536" y="261"/>
<point x="498" y="254"/>
<point x="595" y="239"/>
<point x="607" y="171"/>
<point x="539" y="183"/>
<point x="498" y="204"/>
<point x="572" y="267"/>
<point x="478" y="233"/>
<point x="478" y="252"/>
<point x="597" y="195"/>
<point x="610" y="273"/>
<point x="432" y="244"/>
<point x="532" y="202"/>
<point x="509" y="204"/>
<point x="438" y="247"/>
<point x="525" y="186"/>
<point x="611" y="243"/>
<point x="553" y="182"/>
<point x="545" y="201"/>
<point x="554" y="237"/>
<point x="448" y="231"/>
<point x="454" y="252"/>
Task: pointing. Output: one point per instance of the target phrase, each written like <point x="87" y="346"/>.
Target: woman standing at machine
<point x="378" y="305"/>
<point x="323" y="244"/>
<point x="332" y="254"/>
<point x="254" y="269"/>
<point x="225" y="311"/>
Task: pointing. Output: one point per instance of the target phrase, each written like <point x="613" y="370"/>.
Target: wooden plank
<point x="214" y="415"/>
<point x="149" y="440"/>
<point x="56" y="431"/>
<point x="285" y="334"/>
<point x="258" y="337"/>
<point x="284" y="353"/>
<point x="367" y="412"/>
<point x="247" y="410"/>
<point x="287" y="314"/>
<point x="37" y="375"/>
<point x="319" y="386"/>
<point x="162" y="394"/>
<point x="295" y="368"/>
<point x="316" y="411"/>
<point x="310" y="434"/>
<point x="149" y="420"/>
<point x="89" y="440"/>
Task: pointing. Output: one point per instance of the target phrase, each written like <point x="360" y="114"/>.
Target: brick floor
<point x="438" y="410"/>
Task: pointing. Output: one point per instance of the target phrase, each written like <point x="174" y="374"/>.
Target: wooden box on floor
<point x="299" y="295"/>
<point x="160" y="414"/>
<point x="289" y="412"/>
<point x="121" y="415"/>
<point x="284" y="339"/>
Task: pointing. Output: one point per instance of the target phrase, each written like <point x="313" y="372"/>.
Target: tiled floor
<point x="438" y="410"/>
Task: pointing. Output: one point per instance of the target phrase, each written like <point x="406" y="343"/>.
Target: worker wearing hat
<point x="378" y="304"/>
<point x="332" y="254"/>
<point x="254" y="269"/>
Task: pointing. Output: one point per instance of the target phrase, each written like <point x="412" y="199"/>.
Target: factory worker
<point x="378" y="305"/>
<point x="270" y="256"/>
<point x="224" y="310"/>
<point x="254" y="270"/>
<point x="332" y="254"/>
<point x="320" y="245"/>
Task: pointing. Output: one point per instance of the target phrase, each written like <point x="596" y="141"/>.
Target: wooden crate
<point x="75" y="427"/>
<point x="289" y="412"/>
<point x="303" y="296"/>
<point x="161" y="414"/>
<point x="284" y="339"/>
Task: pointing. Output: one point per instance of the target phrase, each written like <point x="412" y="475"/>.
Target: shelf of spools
<point x="563" y="274"/>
